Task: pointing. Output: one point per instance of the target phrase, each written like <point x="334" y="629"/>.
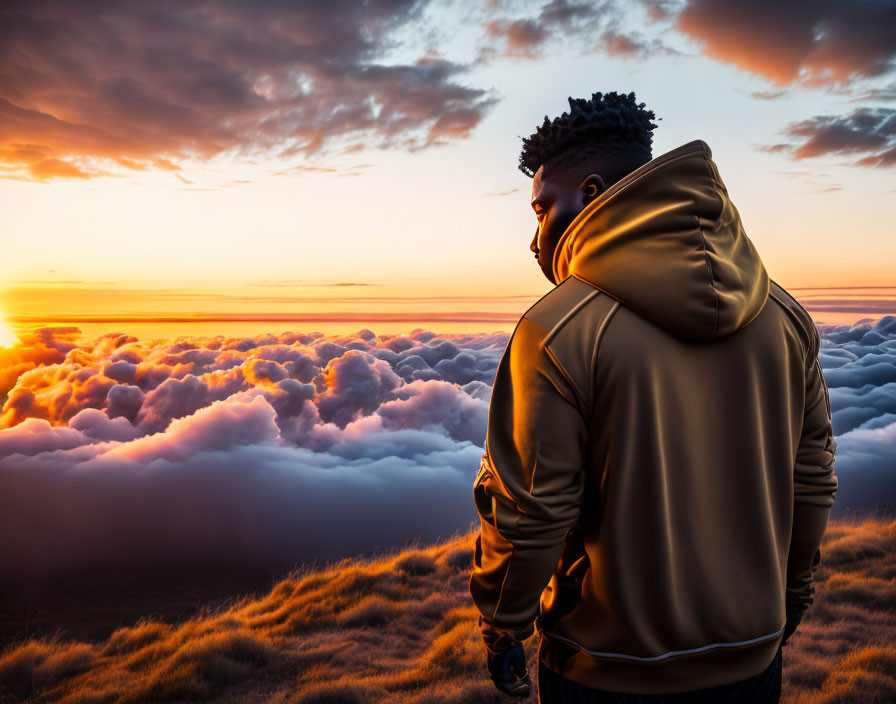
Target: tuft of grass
<point x="416" y="563"/>
<point x="371" y="611"/>
<point x="39" y="664"/>
<point x="203" y="664"/>
<point x="867" y="674"/>
<point x="129" y="640"/>
<point x="336" y="693"/>
<point x="459" y="559"/>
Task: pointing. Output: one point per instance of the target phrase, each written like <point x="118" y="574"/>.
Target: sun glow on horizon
<point x="8" y="337"/>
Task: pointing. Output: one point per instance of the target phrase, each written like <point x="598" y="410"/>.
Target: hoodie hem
<point x="679" y="671"/>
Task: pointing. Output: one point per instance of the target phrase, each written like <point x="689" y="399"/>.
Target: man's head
<point x="576" y="157"/>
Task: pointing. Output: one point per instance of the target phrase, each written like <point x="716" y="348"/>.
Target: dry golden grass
<point x="401" y="628"/>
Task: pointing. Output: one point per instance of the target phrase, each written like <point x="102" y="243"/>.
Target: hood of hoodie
<point x="667" y="241"/>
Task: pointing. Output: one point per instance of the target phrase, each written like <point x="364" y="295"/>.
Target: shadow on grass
<point x="400" y="627"/>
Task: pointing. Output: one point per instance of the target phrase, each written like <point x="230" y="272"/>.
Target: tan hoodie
<point x="659" y="457"/>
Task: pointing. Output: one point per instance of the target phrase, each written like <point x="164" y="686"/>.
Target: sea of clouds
<point x="297" y="448"/>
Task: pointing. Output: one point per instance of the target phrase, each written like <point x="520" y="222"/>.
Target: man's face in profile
<point x="556" y="203"/>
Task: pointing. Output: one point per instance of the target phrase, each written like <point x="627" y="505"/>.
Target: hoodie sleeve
<point x="814" y="484"/>
<point x="530" y="485"/>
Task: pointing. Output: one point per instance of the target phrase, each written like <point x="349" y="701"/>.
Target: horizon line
<point x="883" y="308"/>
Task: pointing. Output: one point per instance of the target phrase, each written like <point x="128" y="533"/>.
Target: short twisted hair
<point x="609" y="126"/>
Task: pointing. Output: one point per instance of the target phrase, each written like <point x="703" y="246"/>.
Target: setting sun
<point x="7" y="336"/>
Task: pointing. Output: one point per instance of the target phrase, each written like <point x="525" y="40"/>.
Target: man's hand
<point x="794" y="616"/>
<point x="508" y="671"/>
<point x="506" y="658"/>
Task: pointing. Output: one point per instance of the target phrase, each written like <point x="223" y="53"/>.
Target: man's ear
<point x="592" y="187"/>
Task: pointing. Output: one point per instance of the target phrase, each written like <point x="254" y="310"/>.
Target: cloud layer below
<point x="277" y="449"/>
<point x="299" y="448"/>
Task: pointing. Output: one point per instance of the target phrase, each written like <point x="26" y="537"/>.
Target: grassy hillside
<point x="401" y="628"/>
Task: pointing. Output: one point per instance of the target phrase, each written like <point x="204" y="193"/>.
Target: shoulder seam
<point x="556" y="363"/>
<point x="811" y="330"/>
<point x="597" y="340"/>
<point x="792" y="299"/>
<point x="538" y="302"/>
<point x="551" y="331"/>
<point x="570" y="315"/>
<point x="580" y="402"/>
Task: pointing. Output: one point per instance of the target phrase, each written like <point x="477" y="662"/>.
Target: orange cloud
<point x="804" y="41"/>
<point x="145" y="87"/>
<point x="35" y="162"/>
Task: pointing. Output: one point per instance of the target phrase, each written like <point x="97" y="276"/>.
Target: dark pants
<point x="764" y="688"/>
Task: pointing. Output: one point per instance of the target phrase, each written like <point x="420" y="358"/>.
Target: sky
<point x="263" y="258"/>
<point x="338" y="162"/>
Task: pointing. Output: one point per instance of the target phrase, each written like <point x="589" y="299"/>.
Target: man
<point x="658" y="470"/>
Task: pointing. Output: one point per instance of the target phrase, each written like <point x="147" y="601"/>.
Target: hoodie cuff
<point x="500" y="640"/>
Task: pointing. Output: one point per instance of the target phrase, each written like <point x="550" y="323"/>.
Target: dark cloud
<point x="656" y="11"/>
<point x="432" y="404"/>
<point x="617" y="44"/>
<point x="146" y="84"/>
<point x="124" y="400"/>
<point x="886" y="94"/>
<point x="558" y="20"/>
<point x="522" y="37"/>
<point x="869" y="133"/>
<point x="796" y="41"/>
<point x="356" y="384"/>
<point x="593" y="27"/>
